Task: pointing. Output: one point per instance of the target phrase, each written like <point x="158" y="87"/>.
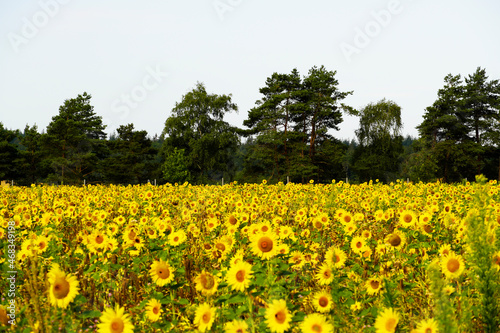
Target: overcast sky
<point x="137" y="59"/>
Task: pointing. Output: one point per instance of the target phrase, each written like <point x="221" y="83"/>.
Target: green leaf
<point x="91" y="314"/>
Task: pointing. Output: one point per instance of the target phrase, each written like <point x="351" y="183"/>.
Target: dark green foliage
<point x="380" y="142"/>
<point x="131" y="158"/>
<point x="71" y="139"/>
<point x="460" y="130"/>
<point x="197" y="128"/>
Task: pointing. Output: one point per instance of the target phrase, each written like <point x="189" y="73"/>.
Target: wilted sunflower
<point x="386" y="321"/>
<point x="322" y="301"/>
<point x="265" y="245"/>
<point x="115" y="321"/>
<point x="153" y="310"/>
<point x="206" y="283"/>
<point x="452" y="265"/>
<point x="239" y="275"/>
<point x="204" y="317"/>
<point x="161" y="272"/>
<point x="63" y="288"/>
<point x="427" y="326"/>
<point x="278" y="317"/>
<point x="314" y="323"/>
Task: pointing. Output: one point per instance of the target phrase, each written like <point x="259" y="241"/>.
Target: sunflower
<point x="386" y="321"/>
<point x="265" y="245"/>
<point x="161" y="272"/>
<point x="236" y="326"/>
<point x="427" y="326"/>
<point x="335" y="257"/>
<point x="204" y="317"/>
<point x="407" y="218"/>
<point x="324" y="274"/>
<point x="176" y="238"/>
<point x="206" y="283"/>
<point x="496" y="260"/>
<point x="153" y="310"/>
<point x="358" y="245"/>
<point x="452" y="265"/>
<point x="445" y="250"/>
<point x="396" y="239"/>
<point x="373" y="286"/>
<point x="297" y="259"/>
<point x="239" y="275"/>
<point x="4" y="319"/>
<point x="316" y="322"/>
<point x="322" y="301"/>
<point x="278" y="317"/>
<point x="63" y="288"/>
<point x="115" y="321"/>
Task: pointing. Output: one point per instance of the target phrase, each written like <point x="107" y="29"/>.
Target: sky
<point x="137" y="59"/>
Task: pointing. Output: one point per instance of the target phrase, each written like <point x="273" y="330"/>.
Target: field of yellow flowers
<point x="373" y="257"/>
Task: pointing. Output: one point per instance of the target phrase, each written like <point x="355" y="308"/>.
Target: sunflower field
<point x="337" y="257"/>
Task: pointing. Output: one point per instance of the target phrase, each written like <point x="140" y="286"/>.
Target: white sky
<point x="53" y="50"/>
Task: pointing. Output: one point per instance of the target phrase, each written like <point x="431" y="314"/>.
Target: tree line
<point x="288" y="135"/>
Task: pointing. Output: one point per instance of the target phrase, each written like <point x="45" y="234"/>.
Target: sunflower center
<point x="407" y="218"/>
<point x="207" y="281"/>
<point x="206" y="317"/>
<point x="220" y="246"/>
<point x="390" y="324"/>
<point x="347" y="219"/>
<point x="374" y="284"/>
<point x="327" y="274"/>
<point x="280" y="317"/>
<point x="453" y="265"/>
<point x="132" y="234"/>
<point x="163" y="272"/>
<point x="359" y="245"/>
<point x="323" y="301"/>
<point x="176" y="239"/>
<point x="240" y="276"/>
<point x="239" y="330"/>
<point x="428" y="330"/>
<point x="265" y="244"/>
<point x="316" y="328"/>
<point x="264" y="228"/>
<point x="99" y="239"/>
<point x="60" y="288"/>
<point x="232" y="220"/>
<point x="156" y="310"/>
<point x="394" y="240"/>
<point x="496" y="260"/>
<point x="427" y="228"/>
<point x="116" y="326"/>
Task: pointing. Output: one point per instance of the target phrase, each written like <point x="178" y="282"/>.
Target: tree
<point x="71" y="139"/>
<point x="271" y="120"/>
<point x="380" y="141"/>
<point x="131" y="158"/>
<point x="196" y="127"/>
<point x="461" y="129"/>
<point x="31" y="153"/>
<point x="175" y="167"/>
<point x="9" y="155"/>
